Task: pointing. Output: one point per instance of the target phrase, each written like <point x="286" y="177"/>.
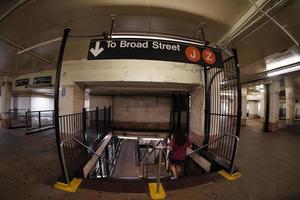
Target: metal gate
<point x="223" y="111"/>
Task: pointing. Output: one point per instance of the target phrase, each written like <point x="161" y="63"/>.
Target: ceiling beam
<point x="20" y="47"/>
<point x="239" y="25"/>
<point x="40" y="44"/>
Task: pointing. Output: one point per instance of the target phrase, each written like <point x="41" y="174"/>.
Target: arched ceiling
<point x="36" y="21"/>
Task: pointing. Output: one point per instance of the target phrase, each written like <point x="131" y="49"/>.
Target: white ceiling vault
<point x="24" y="23"/>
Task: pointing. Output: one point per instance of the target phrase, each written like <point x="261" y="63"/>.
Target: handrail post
<point x="56" y="94"/>
<point x="107" y="160"/>
<point x="104" y="119"/>
<point x="26" y="121"/>
<point x="109" y="117"/>
<point x="39" y="119"/>
<point x="97" y="121"/>
<point x="64" y="163"/>
<point x="158" y="171"/>
<point x="84" y="124"/>
<point x="234" y="155"/>
<point x="53" y="117"/>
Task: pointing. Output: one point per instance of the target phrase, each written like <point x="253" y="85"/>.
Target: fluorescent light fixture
<point x="157" y="139"/>
<point x="155" y="38"/>
<point x="127" y="137"/>
<point x="284" y="71"/>
<point x="283" y="62"/>
<point x="285" y="58"/>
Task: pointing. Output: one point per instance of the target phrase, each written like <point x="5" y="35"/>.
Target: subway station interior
<point x="94" y="92"/>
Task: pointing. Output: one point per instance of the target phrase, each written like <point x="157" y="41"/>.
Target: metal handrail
<point x="148" y="146"/>
<point x="236" y="137"/>
<point x="219" y="138"/>
<point x="146" y="157"/>
<point x="63" y="155"/>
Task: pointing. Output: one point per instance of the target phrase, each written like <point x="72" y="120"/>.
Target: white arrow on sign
<point x="97" y="50"/>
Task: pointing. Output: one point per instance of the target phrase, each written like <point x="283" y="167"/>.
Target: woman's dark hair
<point x="180" y="137"/>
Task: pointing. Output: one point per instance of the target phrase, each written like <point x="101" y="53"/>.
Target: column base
<point x="273" y="127"/>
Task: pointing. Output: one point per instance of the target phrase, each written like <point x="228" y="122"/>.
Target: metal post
<point x="56" y="95"/>
<point x="100" y="166"/>
<point x="107" y="160"/>
<point x="104" y="119"/>
<point x="84" y="132"/>
<point x="26" y="119"/>
<point x="97" y="121"/>
<point x="207" y="108"/>
<point x="64" y="164"/>
<point x="234" y="155"/>
<point x="158" y="171"/>
<point x="239" y="92"/>
<point x="171" y="123"/>
<point x="39" y="119"/>
<point x="109" y="117"/>
<point x="53" y="117"/>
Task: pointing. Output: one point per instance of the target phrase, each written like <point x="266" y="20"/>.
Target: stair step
<point x="141" y="185"/>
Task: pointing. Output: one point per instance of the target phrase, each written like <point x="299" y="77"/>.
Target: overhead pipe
<point x="40" y="44"/>
<point x="275" y="22"/>
<point x="238" y="26"/>
<point x="243" y="26"/>
<point x="113" y="16"/>
<point x="279" y="3"/>
<point x="18" y="46"/>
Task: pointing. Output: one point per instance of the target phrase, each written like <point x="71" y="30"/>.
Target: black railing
<point x="223" y="111"/>
<point x="17" y="118"/>
<point x="106" y="162"/>
<point x="39" y="120"/>
<point x="88" y="127"/>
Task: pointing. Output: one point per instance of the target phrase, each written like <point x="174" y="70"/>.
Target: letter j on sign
<point x="193" y="54"/>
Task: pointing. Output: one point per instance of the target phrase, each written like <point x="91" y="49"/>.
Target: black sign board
<point x="42" y="80"/>
<point x="150" y="49"/>
<point x="22" y="82"/>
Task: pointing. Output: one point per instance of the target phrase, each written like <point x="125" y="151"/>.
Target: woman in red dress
<point x="178" y="145"/>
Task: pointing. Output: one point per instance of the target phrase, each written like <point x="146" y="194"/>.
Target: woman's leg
<point x="173" y="170"/>
<point x="178" y="169"/>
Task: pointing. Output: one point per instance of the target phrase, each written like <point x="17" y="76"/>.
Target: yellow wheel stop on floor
<point x="228" y="176"/>
<point x="161" y="194"/>
<point x="72" y="187"/>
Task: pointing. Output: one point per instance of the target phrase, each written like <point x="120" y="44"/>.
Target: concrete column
<point x="262" y="105"/>
<point x="197" y="116"/>
<point x="274" y="106"/>
<point x="253" y="109"/>
<point x="71" y="99"/>
<point x="244" y="106"/>
<point x="290" y="100"/>
<point x="6" y="92"/>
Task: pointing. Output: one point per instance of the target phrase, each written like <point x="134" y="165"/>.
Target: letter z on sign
<point x="209" y="56"/>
